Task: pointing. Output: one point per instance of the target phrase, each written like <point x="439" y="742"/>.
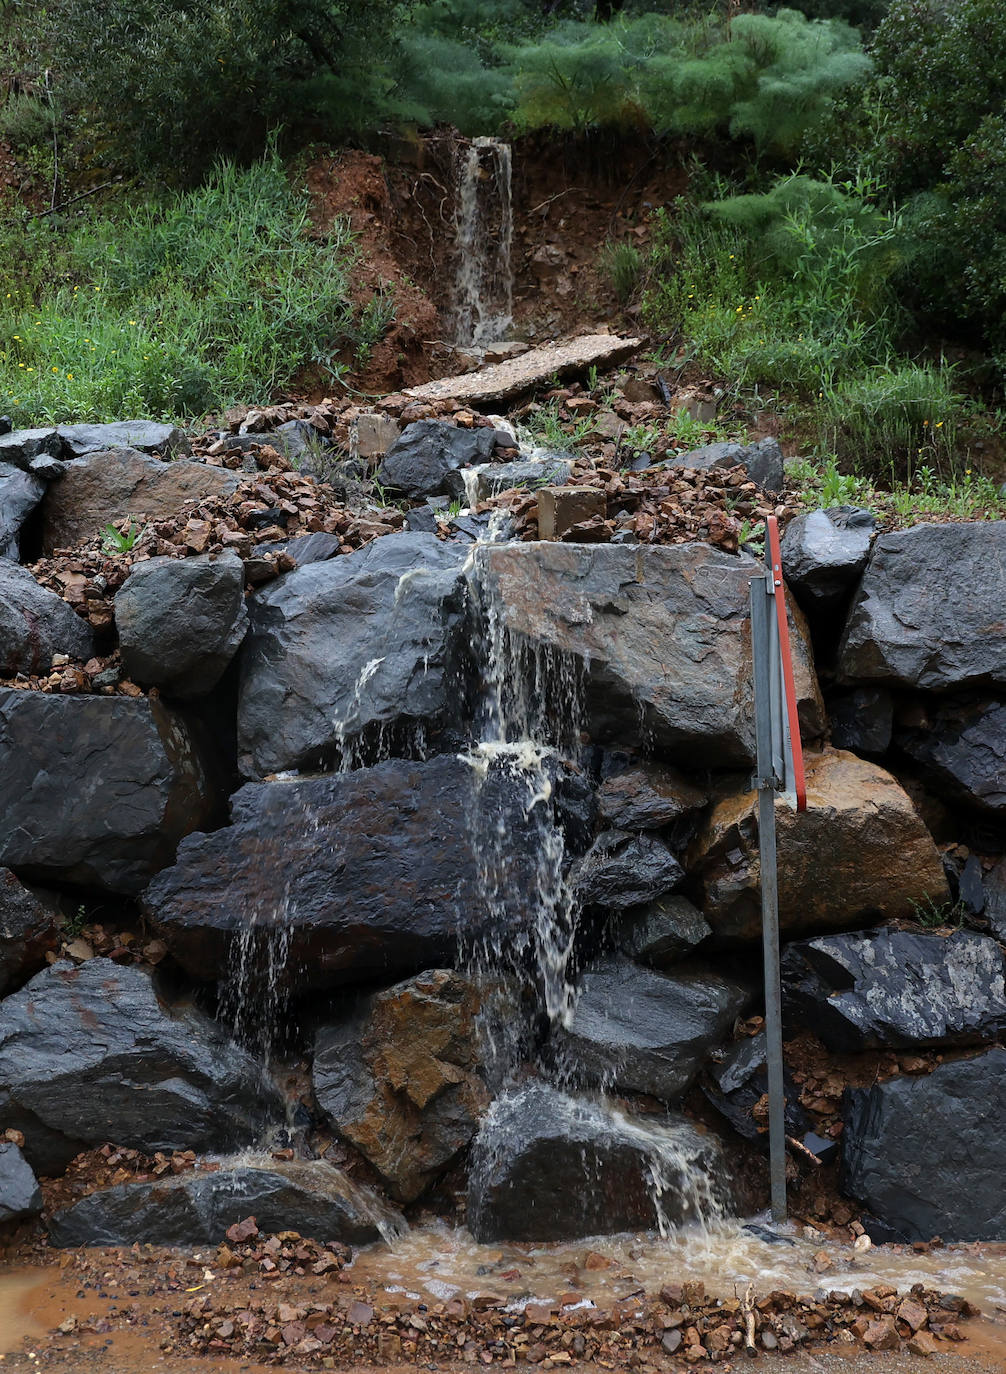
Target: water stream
<point x="484" y="227"/>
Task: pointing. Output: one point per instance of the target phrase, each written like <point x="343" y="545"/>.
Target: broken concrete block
<point x="560" y="508"/>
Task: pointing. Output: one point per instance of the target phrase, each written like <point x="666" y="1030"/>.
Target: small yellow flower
<point x="69" y="376"/>
<point x="133" y="321"/>
<point x="97" y="288"/>
<point x="55" y="369"/>
<point x="925" y="424"/>
<point x="939" y="424"/>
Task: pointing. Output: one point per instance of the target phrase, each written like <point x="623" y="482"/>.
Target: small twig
<point x="802" y="1151"/>
<point x="40" y="214"/>
<point x="55" y="140"/>
<point x="747" y="1307"/>
<point x="570" y="190"/>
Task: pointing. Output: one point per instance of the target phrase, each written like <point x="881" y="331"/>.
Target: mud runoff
<point x="117" y="1312"/>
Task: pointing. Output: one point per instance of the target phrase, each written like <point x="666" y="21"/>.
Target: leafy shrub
<point x="212" y="297"/>
<point x="25" y="121"/>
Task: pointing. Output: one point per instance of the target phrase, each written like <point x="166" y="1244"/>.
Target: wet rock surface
<point x="623" y="870"/>
<point x="662" y="634"/>
<point x="858" y="852"/>
<point x="425" y="459"/>
<point x="35" y="624"/>
<point x="824" y="552"/>
<point x="370" y="874"/>
<point x="928" y="612"/>
<point x="862" y="720"/>
<point x="898" y="988"/>
<point x="737" y="1083"/>
<point x="340" y="647"/>
<point x="648" y="797"/>
<point x="960" y="745"/>
<point x="927" y="1156"/>
<point x="637" y="1030"/>
<point x="144" y="436"/>
<point x="28" y="932"/>
<point x="20" y="493"/>
<point x="104" y="487"/>
<point x="181" y="621"/>
<point x="98" y="791"/>
<point x="315" y="1200"/>
<point x="401" y="1080"/>
<point x="91" y="1054"/>
<point x="661" y="933"/>
<point x="20" y="1195"/>
<point x="548" y="1166"/>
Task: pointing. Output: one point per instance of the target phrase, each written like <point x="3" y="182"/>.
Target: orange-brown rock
<point x="859" y="851"/>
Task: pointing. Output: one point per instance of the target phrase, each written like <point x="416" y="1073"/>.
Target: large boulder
<point x="35" y="623"/>
<point x="100" y="488"/>
<point x="181" y="621"/>
<point x="622" y="870"/>
<point x="858" y="853"/>
<point x="425" y="459"/>
<point x="97" y="790"/>
<point x="862" y="719"/>
<point x="637" y="1030"/>
<point x="370" y="640"/>
<point x="400" y="1080"/>
<point x="661" y="635"/>
<point x="145" y="436"/>
<point x="546" y="1166"/>
<point x="20" y="1195"/>
<point x="896" y="988"/>
<point x="927" y="1156"/>
<point x="824" y="552"/>
<point x="89" y="1053"/>
<point x="196" y="1208"/>
<point x="929" y="610"/>
<point x="960" y="746"/>
<point x="29" y="930"/>
<point x="20" y="493"/>
<point x="368" y="875"/>
<point x="648" y="796"/>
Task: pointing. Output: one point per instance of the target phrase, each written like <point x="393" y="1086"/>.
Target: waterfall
<point x="484" y="223"/>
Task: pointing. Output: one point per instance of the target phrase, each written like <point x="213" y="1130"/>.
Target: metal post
<point x="765" y="654"/>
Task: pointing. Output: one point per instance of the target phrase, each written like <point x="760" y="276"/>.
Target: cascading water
<point x="483" y="307"/>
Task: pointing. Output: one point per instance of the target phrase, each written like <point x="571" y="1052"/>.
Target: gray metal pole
<point x="765" y="654"/>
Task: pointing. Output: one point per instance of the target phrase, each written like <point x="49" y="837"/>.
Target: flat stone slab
<point x="514" y="375"/>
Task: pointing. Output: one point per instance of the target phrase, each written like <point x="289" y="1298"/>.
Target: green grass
<point x="178" y="307"/>
<point x="546" y="429"/>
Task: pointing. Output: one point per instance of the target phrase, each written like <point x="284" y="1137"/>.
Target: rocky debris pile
<point x="684" y="1322"/>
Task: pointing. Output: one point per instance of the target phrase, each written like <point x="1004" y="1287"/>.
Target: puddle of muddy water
<point x="439" y="1263"/>
<point x="24" y="1294"/>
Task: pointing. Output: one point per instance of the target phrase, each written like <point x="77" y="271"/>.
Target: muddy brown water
<point x="437" y="1262"/>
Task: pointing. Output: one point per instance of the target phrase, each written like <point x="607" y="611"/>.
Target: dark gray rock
<point x="20" y="1195"/>
<point x="181" y="621"/>
<point x="425" y="459"/>
<point x="994" y="908"/>
<point x="47" y="467"/>
<point x="5" y="424"/>
<point x="647" y="797"/>
<point x="298" y="441"/>
<point x="28" y="931"/>
<point x="35" y="623"/>
<point x="929" y="610"/>
<point x="22" y="445"/>
<point x="895" y="988"/>
<point x="20" y="493"/>
<point x="960" y="745"/>
<point x="546" y="1166"/>
<point x="401" y="1080"/>
<point x="762" y="461"/>
<point x="739" y="1081"/>
<point x="423" y="519"/>
<point x="824" y="552"/>
<point x="368" y="875"/>
<point x="660" y="633"/>
<point x="90" y="1054"/>
<point x="314" y="1199"/>
<point x="304" y="548"/>
<point x="641" y="1031"/>
<point x="97" y="790"/>
<point x="662" y="933"/>
<point x="927" y="1156"/>
<point x="474" y="528"/>
<point x="145" y="436"/>
<point x="862" y="720"/>
<point x="373" y="639"/>
<point x="531" y="472"/>
<point x="970" y="885"/>
<point x="622" y="870"/>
